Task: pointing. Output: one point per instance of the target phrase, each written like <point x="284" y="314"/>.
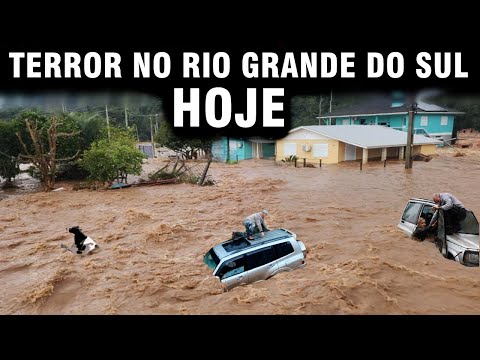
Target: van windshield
<point x="211" y="259"/>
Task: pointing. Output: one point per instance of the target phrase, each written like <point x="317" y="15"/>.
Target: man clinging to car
<point x="453" y="208"/>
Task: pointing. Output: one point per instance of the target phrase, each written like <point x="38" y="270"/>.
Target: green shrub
<point x="290" y="158"/>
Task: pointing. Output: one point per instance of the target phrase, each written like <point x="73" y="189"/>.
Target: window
<point x="236" y="245"/>
<point x="444" y="120"/>
<point x="424" y="121"/>
<point x="411" y="212"/>
<point x="404" y="121"/>
<point x="427" y="213"/>
<point x="232" y="267"/>
<point x="320" y="150"/>
<point x="469" y="225"/>
<point x="346" y="122"/>
<point x="283" y="249"/>
<point x="259" y="258"/>
<point x="289" y="149"/>
<point x="211" y="259"/>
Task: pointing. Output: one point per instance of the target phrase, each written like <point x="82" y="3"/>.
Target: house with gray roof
<point x="334" y="144"/>
<point x="392" y="111"/>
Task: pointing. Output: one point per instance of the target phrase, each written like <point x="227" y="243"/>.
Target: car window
<point x="283" y="249"/>
<point x="259" y="258"/>
<point x="427" y="213"/>
<point x="237" y="244"/>
<point x="469" y="225"/>
<point x="232" y="267"/>
<point x="411" y="212"/>
<point x="211" y="259"/>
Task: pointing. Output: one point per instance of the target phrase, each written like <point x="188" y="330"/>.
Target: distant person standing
<point x="454" y="211"/>
<point x="256" y="222"/>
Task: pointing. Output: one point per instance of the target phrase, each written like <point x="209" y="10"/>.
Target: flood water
<point x="153" y="240"/>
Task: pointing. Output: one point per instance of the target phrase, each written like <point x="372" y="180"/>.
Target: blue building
<point x="236" y="149"/>
<point x="430" y="120"/>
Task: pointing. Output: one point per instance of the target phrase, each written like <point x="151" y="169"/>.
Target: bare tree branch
<point x="68" y="134"/>
<point x="45" y="155"/>
<point x="22" y="143"/>
<point x="70" y="157"/>
<point x="26" y="157"/>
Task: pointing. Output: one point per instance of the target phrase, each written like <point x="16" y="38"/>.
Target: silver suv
<point x="462" y="246"/>
<point x="241" y="261"/>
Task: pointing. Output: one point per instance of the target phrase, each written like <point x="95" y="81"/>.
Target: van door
<point x="441" y="240"/>
<point x="232" y="272"/>
<point x="410" y="216"/>
<point x="261" y="264"/>
<point x="286" y="260"/>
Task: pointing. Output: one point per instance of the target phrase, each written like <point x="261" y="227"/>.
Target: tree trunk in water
<point x="50" y="183"/>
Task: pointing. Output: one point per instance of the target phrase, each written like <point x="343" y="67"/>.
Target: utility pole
<point x="408" y="152"/>
<point x="136" y="130"/>
<point x="151" y="137"/>
<point x="108" y="121"/>
<point x="331" y="97"/>
<point x="126" y="117"/>
<point x="156" y="123"/>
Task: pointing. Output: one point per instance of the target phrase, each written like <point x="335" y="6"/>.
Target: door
<point x="283" y="254"/>
<point x="441" y="234"/>
<point x="261" y="264"/>
<point x="232" y="272"/>
<point x="410" y="216"/>
<point x="268" y="150"/>
<point x="350" y="152"/>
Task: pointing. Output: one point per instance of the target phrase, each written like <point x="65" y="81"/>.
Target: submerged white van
<point x="462" y="246"/>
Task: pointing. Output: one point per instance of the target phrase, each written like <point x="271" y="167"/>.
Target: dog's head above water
<point x="79" y="236"/>
<point x="83" y="243"/>
<point x="74" y="229"/>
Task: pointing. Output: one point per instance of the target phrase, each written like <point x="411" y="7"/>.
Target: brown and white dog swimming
<point x="83" y="244"/>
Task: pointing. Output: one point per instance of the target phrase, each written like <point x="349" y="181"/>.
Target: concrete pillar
<point x="365" y="156"/>
<point x="401" y="152"/>
<point x="384" y="154"/>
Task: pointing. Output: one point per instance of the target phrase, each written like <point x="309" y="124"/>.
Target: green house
<point x="236" y="149"/>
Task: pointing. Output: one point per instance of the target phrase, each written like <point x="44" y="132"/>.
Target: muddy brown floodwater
<point x="153" y="240"/>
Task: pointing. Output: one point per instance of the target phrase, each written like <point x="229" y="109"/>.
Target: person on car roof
<point x="255" y="222"/>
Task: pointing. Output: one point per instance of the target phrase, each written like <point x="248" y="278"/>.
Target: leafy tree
<point x="10" y="112"/>
<point x="184" y="145"/>
<point x="9" y="150"/>
<point x="305" y="109"/>
<point x="47" y="141"/>
<point x="113" y="157"/>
